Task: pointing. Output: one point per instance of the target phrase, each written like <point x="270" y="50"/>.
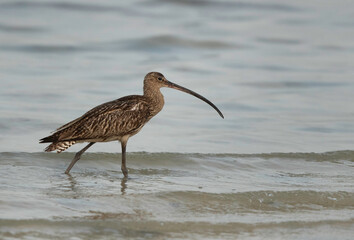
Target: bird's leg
<point x="124" y="167"/>
<point x="77" y="157"/>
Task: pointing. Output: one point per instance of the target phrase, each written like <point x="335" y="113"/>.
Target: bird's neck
<point x="156" y="98"/>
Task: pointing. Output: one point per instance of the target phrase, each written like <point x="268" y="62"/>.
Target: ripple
<point x="168" y="41"/>
<point x="277" y="41"/>
<point x="260" y="200"/>
<point x="11" y="28"/>
<point x="238" y="5"/>
<point x="333" y="47"/>
<point x="41" y="48"/>
<point x="293" y="84"/>
<point x="67" y="6"/>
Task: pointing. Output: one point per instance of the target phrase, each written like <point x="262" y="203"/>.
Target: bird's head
<point x="157" y="80"/>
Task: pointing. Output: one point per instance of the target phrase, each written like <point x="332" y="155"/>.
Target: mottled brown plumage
<point x="106" y="122"/>
<point x="116" y="120"/>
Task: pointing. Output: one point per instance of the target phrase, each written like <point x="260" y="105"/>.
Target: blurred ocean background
<point x="279" y="166"/>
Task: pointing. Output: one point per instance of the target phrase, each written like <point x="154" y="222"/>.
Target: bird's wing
<point x="116" y="118"/>
<point x="101" y="109"/>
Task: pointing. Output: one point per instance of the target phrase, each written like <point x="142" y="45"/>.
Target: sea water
<point x="279" y="166"/>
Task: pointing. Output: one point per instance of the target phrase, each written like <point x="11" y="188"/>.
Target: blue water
<point x="280" y="71"/>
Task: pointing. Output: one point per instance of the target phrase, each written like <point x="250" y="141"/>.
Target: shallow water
<point x="280" y="71"/>
<point x="178" y="196"/>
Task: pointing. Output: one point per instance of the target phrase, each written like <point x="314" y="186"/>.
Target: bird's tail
<point x="59" y="146"/>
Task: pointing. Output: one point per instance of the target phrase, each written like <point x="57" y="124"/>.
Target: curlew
<point x="116" y="120"/>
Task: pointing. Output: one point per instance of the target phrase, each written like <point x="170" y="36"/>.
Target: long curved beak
<point x="183" y="89"/>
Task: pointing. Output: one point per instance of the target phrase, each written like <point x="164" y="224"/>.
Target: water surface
<point x="279" y="166"/>
<point x="281" y="72"/>
<point x="174" y="196"/>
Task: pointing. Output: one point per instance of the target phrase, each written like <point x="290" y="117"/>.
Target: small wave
<point x="164" y="41"/>
<point x="67" y="6"/>
<point x="38" y="48"/>
<point x="233" y="5"/>
<point x="283" y="201"/>
<point x="293" y="84"/>
<point x="277" y="41"/>
<point x="333" y="156"/>
<point x="161" y="157"/>
<point x="103" y="225"/>
<point x="20" y="28"/>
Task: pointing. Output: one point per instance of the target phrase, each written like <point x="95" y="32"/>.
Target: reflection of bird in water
<point x="73" y="186"/>
<point x="123" y="185"/>
<point x="116" y="120"/>
<point x="72" y="182"/>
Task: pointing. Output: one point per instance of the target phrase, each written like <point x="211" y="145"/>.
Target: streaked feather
<point x="111" y="120"/>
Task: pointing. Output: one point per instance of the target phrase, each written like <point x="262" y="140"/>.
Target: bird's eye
<point x="159" y="78"/>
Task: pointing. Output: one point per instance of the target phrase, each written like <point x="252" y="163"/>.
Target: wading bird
<point x="116" y="120"/>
